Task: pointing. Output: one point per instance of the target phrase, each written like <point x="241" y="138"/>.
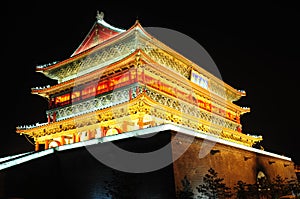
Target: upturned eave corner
<point x="245" y="110"/>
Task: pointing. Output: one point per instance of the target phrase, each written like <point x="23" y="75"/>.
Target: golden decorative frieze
<point x="186" y="108"/>
<point x="147" y="103"/>
<point x="103" y="56"/>
<point x="163" y="57"/>
<point x="182" y="88"/>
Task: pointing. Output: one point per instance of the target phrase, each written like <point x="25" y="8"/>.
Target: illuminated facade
<point x="120" y="80"/>
<point x="121" y="84"/>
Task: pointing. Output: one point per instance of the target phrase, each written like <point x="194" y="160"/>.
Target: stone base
<point x="231" y="163"/>
<point x="76" y="173"/>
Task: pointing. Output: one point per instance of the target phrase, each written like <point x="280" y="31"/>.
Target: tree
<point x="279" y="187"/>
<point x="294" y="187"/>
<point x="186" y="192"/>
<point x="213" y="186"/>
<point x="120" y="186"/>
<point x="241" y="190"/>
<point x="252" y="192"/>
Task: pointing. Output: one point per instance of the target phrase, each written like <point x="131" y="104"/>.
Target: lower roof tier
<point x="137" y="113"/>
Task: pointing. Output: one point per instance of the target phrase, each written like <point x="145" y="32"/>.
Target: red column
<point x="143" y="76"/>
<point x="37" y="146"/>
<point x="141" y="123"/>
<point x="103" y="131"/>
<point x="74" y="138"/>
<point x="62" y="140"/>
<point x="46" y="144"/>
<point x="238" y="118"/>
<point x="90" y="134"/>
<point x="130" y="94"/>
<point x="136" y="75"/>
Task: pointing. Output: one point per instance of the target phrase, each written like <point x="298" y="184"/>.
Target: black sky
<point x="254" y="45"/>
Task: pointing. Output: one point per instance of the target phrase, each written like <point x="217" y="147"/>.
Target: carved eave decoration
<point x="138" y="107"/>
<point x="120" y="65"/>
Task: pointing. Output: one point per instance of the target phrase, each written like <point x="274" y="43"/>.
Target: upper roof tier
<point x="99" y="32"/>
<point x="94" y="54"/>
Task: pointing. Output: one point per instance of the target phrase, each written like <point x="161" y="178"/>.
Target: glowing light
<point x="25" y="158"/>
<point x="13" y="156"/>
<point x="112" y="132"/>
<point x="199" y="79"/>
<point x="77" y="145"/>
<point x="115" y="136"/>
<point x="110" y="26"/>
<point x="53" y="144"/>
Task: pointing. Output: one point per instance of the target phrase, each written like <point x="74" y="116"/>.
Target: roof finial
<point x="99" y="16"/>
<point x="137" y="20"/>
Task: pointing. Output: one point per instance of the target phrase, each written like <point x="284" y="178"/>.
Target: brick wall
<point x="231" y="163"/>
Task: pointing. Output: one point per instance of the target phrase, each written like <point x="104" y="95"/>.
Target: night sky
<point x="254" y="45"/>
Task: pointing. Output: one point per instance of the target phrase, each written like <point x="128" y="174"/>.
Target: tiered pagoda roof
<point x="151" y="83"/>
<point x="121" y="45"/>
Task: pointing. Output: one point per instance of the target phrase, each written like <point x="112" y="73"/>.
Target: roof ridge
<point x="99" y="32"/>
